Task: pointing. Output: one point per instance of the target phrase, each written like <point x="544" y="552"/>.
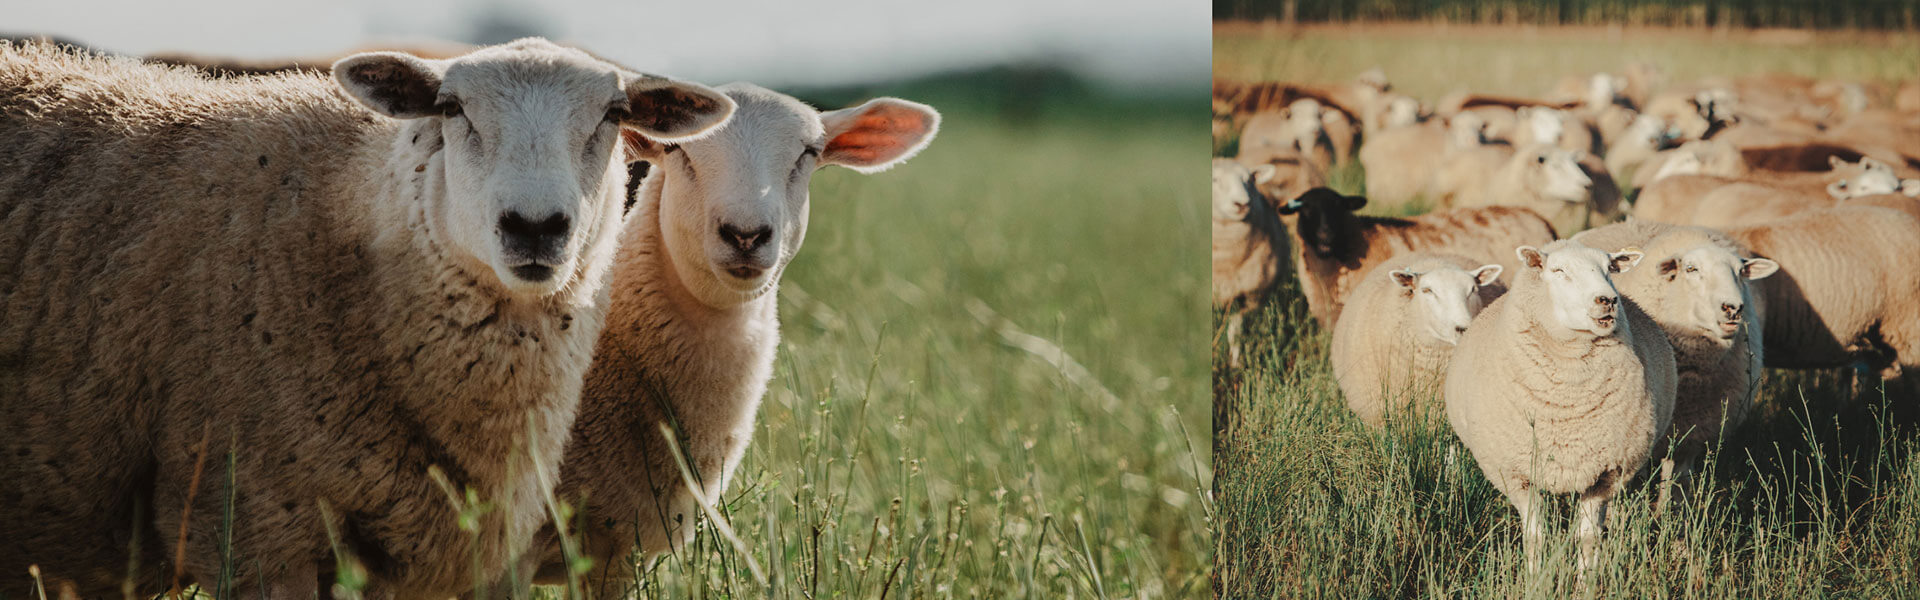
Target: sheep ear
<point x="638" y="147"/>
<point x="394" y="84"/>
<point x="1530" y="256"/>
<point x="672" y="111"/>
<point x="1487" y="274"/>
<point x="1670" y="268"/>
<point x="1834" y="162"/>
<point x="1758" y="268"/>
<point x="1405" y="278"/>
<point x="1623" y="260"/>
<point x="879" y="134"/>
<point x="1354" y="203"/>
<point x="1264" y="173"/>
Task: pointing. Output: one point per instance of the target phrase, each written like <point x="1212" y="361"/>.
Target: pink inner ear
<point x="878" y="135"/>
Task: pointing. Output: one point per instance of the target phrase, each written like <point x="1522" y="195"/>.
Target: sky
<point x="1139" y="45"/>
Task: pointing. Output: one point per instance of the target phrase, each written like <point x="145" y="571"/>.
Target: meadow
<point x="1817" y="496"/>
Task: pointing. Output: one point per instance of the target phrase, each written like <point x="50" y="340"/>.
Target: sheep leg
<point x="1532" y="535"/>
<point x="1233" y="340"/>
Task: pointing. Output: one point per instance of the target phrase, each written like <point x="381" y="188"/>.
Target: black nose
<point x="747" y="240"/>
<point x="1605" y="301"/>
<point x="529" y="239"/>
<point x="1459" y="329"/>
<point x="1731" y="310"/>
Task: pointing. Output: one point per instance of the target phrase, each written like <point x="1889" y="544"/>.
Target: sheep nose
<point x="1605" y="301"/>
<point x="1459" y="329"/>
<point x="530" y="238"/>
<point x="1732" y="311"/>
<point x="744" y="239"/>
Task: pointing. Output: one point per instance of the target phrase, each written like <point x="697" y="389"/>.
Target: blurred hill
<point x="1816" y="14"/>
<point x="1017" y="94"/>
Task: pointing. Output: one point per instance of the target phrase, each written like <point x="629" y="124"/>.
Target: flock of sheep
<point x="1774" y="225"/>
<point x="382" y="290"/>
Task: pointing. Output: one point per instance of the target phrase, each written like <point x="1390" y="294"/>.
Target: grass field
<point x="1818" y="496"/>
<point x="923" y="437"/>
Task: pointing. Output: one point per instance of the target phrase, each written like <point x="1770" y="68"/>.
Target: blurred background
<point x="1856" y="14"/>
<point x="991" y="379"/>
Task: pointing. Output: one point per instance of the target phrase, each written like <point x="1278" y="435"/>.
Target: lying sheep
<point x="1333" y="247"/>
<point x="1417" y="304"/>
<point x="1697" y="291"/>
<point x="1246" y="245"/>
<point x="347" y="282"/>
<point x="1562" y="386"/>
<point x="1844" y="292"/>
<point x="692" y="330"/>
<point x="1570" y="189"/>
<point x="1683" y="199"/>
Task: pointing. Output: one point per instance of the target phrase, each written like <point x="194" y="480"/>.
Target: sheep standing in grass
<point x="693" y="325"/>
<point x="1417" y="305"/>
<point x="362" y="287"/>
<point x="1562" y="386"/>
<point x="1247" y="238"/>
<point x="1333" y="247"/>
<point x="1844" y="292"/>
<point x="1697" y="291"/>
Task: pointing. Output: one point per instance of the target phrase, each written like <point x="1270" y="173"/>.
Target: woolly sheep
<point x="1333" y="247"/>
<point x="1400" y="161"/>
<point x="1844" y="291"/>
<point x="1299" y="130"/>
<point x="1691" y="199"/>
<point x="1562" y="386"/>
<point x="1417" y="305"/>
<point x="1564" y="186"/>
<point x="693" y="326"/>
<point x="1697" y="291"/>
<point x="346" y="282"/>
<point x="1246" y="238"/>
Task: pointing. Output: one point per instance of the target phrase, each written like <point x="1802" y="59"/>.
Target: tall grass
<point x="1816" y="496"/>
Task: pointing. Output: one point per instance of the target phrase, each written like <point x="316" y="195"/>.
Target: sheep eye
<point x="1691" y="269"/>
<point x="1541" y="159"/>
<point x="450" y="109"/>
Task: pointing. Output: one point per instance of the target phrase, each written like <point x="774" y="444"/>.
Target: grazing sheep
<point x="693" y="325"/>
<point x="1697" y="292"/>
<point x="350" y="284"/>
<point x="1417" y="304"/>
<point x="1246" y="238"/>
<point x="1844" y="293"/>
<point x="1334" y="248"/>
<point x="1562" y="386"/>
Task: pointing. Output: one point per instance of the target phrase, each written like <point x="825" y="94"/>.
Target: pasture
<point x="1817" y="495"/>
<point x="990" y="382"/>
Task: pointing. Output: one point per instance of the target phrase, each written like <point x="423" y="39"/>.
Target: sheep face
<point x="1646" y="131"/>
<point x="1446" y="299"/>
<point x="1579" y="285"/>
<point x="1234" y="188"/>
<point x="734" y="204"/>
<point x="1546" y="124"/>
<point x="1555" y="174"/>
<point x="1401" y="112"/>
<point x="1324" y="220"/>
<point x="525" y="157"/>
<point x="1709" y="287"/>
<point x="1872" y="178"/>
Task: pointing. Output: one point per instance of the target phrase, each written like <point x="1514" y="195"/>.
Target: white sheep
<point x="1247" y="242"/>
<point x="1569" y="188"/>
<point x="1562" y="386"/>
<point x="352" y="284"/>
<point x="1416" y="307"/>
<point x="693" y="327"/>
<point x="1697" y="292"/>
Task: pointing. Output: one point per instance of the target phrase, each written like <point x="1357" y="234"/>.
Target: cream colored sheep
<point x="693" y="326"/>
<point x="1416" y="306"/>
<point x="349" y="284"/>
<point x="1333" y="247"/>
<point x="1298" y="130"/>
<point x="1696" y="289"/>
<point x="1698" y="157"/>
<point x="1845" y="290"/>
<point x="1755" y="197"/>
<point x="1399" y="161"/>
<point x="1570" y="189"/>
<point x="1636" y="145"/>
<point x="1247" y="239"/>
<point x="1562" y="386"/>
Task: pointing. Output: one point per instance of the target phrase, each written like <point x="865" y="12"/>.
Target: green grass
<point x="1817" y="496"/>
<point x="908" y="449"/>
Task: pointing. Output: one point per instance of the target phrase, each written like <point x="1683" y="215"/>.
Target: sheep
<point x="345" y="282"/>
<point x="1554" y="127"/>
<point x="1698" y="157"/>
<point x="1399" y="161"/>
<point x="1562" y="386"/>
<point x="1697" y="292"/>
<point x="1333" y="248"/>
<point x="1570" y="189"/>
<point x="1417" y="305"/>
<point x="1691" y="199"/>
<point x="1296" y="131"/>
<point x="693" y="326"/>
<point x="1634" y="146"/>
<point x="1844" y="293"/>
<point x="1246" y="235"/>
